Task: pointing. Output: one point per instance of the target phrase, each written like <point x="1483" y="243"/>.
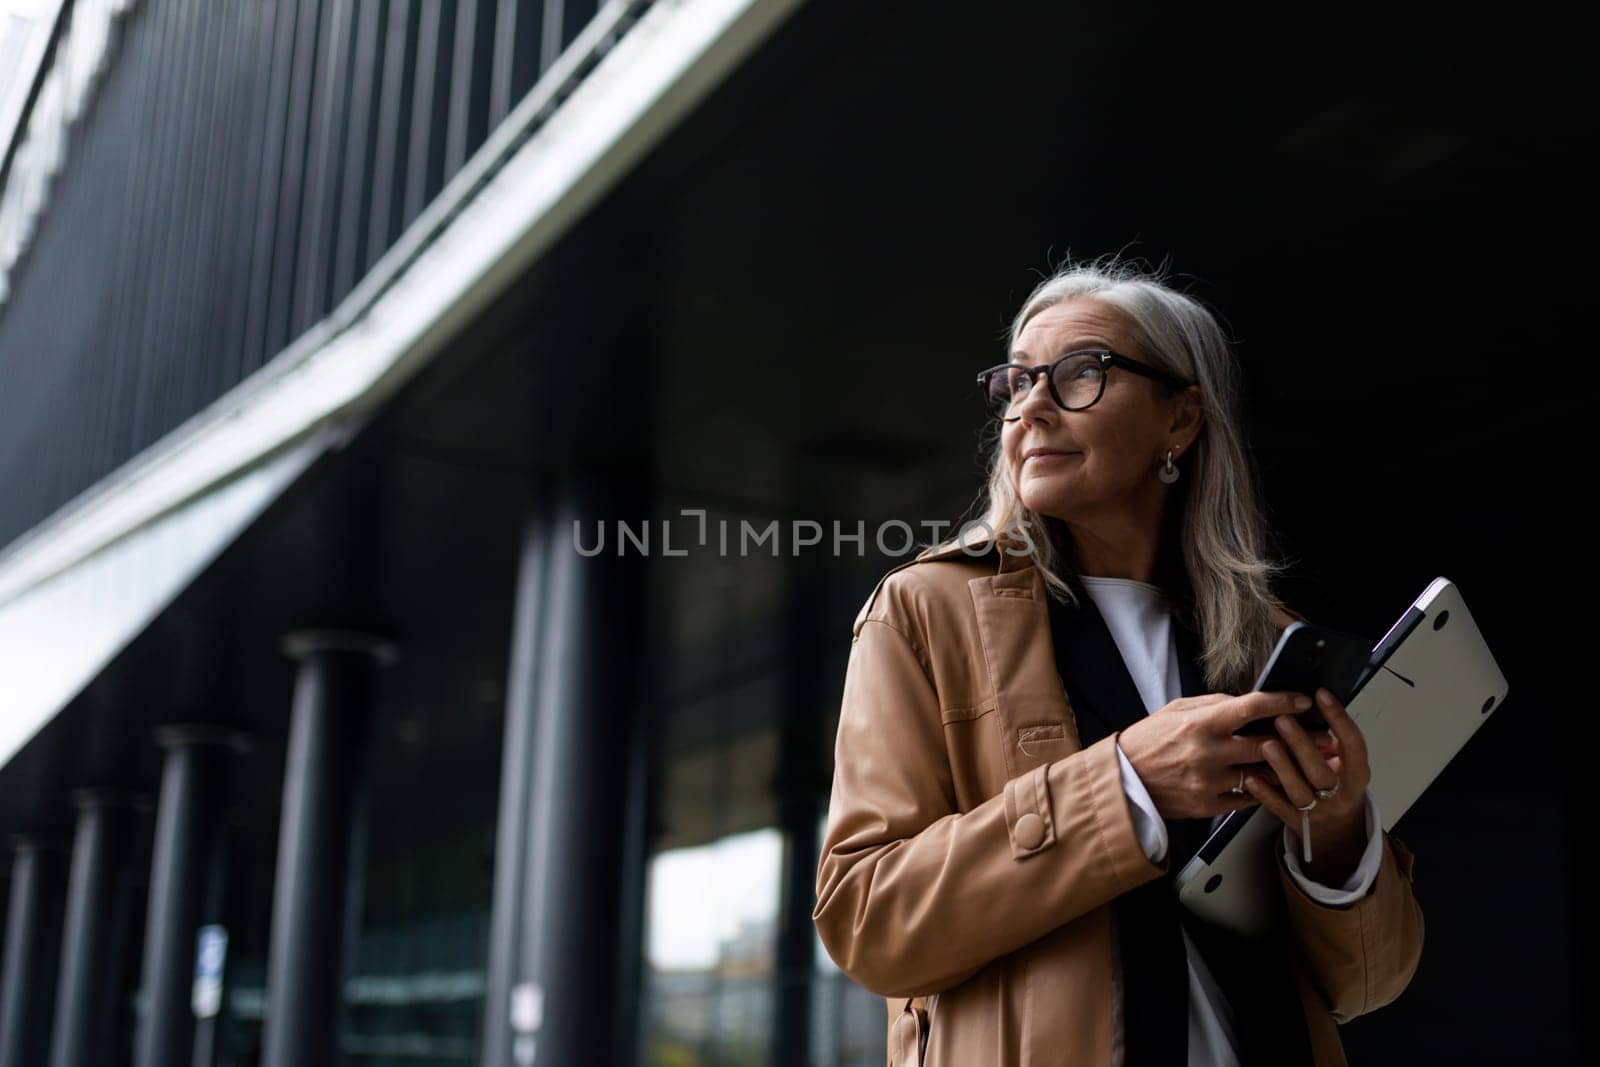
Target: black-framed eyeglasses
<point x="1077" y="380"/>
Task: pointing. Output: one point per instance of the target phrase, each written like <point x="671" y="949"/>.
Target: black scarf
<point x="1254" y="977"/>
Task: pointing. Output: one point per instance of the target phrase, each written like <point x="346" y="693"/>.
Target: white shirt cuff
<point x="1366" y="872"/>
<point x="1147" y="822"/>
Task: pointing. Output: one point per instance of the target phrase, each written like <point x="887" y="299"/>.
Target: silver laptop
<point x="1430" y="684"/>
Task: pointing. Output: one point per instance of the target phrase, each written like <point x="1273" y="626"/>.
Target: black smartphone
<point x="1309" y="657"/>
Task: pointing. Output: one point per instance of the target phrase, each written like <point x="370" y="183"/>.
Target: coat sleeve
<point x="1359" y="956"/>
<point x="914" y="897"/>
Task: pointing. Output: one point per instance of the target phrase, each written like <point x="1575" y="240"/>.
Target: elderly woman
<point x="1040" y="722"/>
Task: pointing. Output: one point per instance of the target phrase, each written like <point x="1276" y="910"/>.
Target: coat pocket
<point x="1041" y="739"/>
<point x="1036" y="725"/>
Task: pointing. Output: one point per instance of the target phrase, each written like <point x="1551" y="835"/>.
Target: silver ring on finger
<point x="1328" y="794"/>
<point x="1308" y="807"/>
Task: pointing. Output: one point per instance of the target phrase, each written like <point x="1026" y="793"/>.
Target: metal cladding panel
<point x="235" y="173"/>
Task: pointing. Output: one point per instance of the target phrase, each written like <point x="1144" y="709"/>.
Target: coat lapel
<point x="1018" y="624"/>
<point x="1015" y="633"/>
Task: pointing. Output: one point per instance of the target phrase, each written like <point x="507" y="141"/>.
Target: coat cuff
<point x="1362" y="955"/>
<point x="1084" y="792"/>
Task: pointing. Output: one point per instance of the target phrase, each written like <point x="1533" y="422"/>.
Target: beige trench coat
<point x="973" y="847"/>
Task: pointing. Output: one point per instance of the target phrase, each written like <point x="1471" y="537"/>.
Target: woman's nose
<point x="1036" y="400"/>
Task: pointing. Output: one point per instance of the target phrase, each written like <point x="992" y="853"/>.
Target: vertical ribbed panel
<point x="237" y="171"/>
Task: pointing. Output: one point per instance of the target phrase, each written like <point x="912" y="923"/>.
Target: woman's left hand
<point x="1338" y="824"/>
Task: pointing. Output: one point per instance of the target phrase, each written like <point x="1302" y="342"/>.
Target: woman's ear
<point x="1188" y="415"/>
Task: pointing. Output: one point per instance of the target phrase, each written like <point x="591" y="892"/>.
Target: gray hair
<point x="1217" y="547"/>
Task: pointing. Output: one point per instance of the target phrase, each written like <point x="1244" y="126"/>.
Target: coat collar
<point x="1016" y="628"/>
<point x="1002" y="557"/>
<point x="1014" y="621"/>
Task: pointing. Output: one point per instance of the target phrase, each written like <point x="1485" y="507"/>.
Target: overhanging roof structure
<point x="80" y="586"/>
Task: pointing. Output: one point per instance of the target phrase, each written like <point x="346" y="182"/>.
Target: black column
<point x="332" y="698"/>
<point x="800" y="789"/>
<point x="506" y="922"/>
<point x="565" y="830"/>
<point x="33" y="936"/>
<point x="188" y="819"/>
<point x="642" y="828"/>
<point x="83" y="1006"/>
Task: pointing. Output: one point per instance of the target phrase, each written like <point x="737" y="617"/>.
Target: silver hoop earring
<point x="1168" y="472"/>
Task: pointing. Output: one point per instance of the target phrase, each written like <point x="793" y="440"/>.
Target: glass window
<point x="712" y="916"/>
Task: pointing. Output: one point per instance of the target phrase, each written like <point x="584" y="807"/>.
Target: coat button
<point x="1030" y="830"/>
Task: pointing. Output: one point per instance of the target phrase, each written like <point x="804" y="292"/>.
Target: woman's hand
<point x="1188" y="758"/>
<point x="1338" y="824"/>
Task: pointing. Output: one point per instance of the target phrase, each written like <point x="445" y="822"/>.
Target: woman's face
<point x="1105" y="458"/>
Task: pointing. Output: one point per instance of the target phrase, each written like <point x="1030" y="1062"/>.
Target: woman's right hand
<point x="1188" y="758"/>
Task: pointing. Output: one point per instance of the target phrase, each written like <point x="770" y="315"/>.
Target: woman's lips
<point x="1046" y="457"/>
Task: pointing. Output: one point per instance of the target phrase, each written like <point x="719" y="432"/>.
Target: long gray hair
<point x="1218" y="560"/>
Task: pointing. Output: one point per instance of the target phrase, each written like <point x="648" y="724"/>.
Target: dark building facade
<point x="427" y="431"/>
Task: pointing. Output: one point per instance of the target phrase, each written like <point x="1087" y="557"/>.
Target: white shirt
<point x="1139" y="617"/>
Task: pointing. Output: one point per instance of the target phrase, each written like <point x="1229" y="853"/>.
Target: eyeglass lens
<point x="1077" y="380"/>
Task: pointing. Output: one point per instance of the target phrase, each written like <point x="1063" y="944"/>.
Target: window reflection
<point x="712" y="917"/>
